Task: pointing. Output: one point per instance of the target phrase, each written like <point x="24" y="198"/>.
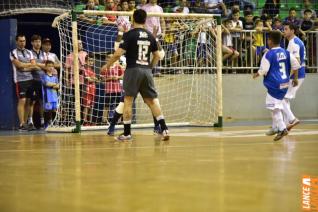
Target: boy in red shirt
<point x="89" y="91"/>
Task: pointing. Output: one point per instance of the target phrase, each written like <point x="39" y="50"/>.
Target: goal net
<point x="188" y="78"/>
<point x="14" y="7"/>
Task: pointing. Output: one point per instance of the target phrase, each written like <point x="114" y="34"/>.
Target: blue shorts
<point x="260" y="50"/>
<point x="50" y="105"/>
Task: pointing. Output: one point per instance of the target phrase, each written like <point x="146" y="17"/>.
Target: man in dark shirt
<point x="137" y="44"/>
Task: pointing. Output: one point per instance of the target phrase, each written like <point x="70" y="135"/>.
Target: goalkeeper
<point x="120" y="107"/>
<point x="137" y="76"/>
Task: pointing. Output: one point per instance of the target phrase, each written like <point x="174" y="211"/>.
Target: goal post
<point x="189" y="84"/>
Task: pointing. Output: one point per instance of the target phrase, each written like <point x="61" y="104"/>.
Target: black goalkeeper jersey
<point x="138" y="44"/>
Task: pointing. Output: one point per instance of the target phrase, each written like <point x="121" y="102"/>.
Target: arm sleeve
<point x="12" y="56"/>
<point x="265" y="65"/>
<point x="56" y="59"/>
<point x="294" y="50"/>
<point x="294" y="63"/>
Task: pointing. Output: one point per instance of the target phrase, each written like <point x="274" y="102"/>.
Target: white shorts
<point x="291" y="92"/>
<point x="273" y="103"/>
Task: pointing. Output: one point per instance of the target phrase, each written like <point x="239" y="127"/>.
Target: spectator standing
<point x="50" y="92"/>
<point x="23" y="63"/>
<point x="37" y="74"/>
<point x="90" y="88"/>
<point x="48" y="55"/>
<point x="152" y="22"/>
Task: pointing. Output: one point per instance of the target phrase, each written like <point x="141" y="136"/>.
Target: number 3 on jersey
<point x="282" y="69"/>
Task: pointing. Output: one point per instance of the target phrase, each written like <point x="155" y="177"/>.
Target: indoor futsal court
<point x="235" y="168"/>
<point x="220" y="127"/>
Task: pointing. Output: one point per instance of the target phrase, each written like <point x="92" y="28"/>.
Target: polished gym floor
<point x="236" y="168"/>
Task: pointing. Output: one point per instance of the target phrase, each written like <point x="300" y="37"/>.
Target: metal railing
<point x="248" y="60"/>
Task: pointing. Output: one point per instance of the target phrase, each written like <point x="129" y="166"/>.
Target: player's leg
<point x="149" y="94"/>
<point x="278" y="117"/>
<point x="127" y="116"/>
<point x="119" y="110"/>
<point x="154" y="106"/>
<point x="132" y="80"/>
<point x="275" y="106"/>
<point x="289" y="116"/>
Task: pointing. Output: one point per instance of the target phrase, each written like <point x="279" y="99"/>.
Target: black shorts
<point x="24" y="89"/>
<point x="139" y="80"/>
<point x="37" y="90"/>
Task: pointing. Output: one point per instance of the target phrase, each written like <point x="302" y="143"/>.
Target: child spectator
<point x="259" y="40"/>
<point x="131" y="5"/>
<point x="278" y="25"/>
<point x="237" y="27"/>
<point x="113" y="87"/>
<point x="123" y="22"/>
<point x="182" y="8"/>
<point x="292" y="17"/>
<point x="109" y="6"/>
<point x="227" y="47"/>
<point x="91" y="19"/>
<point x="170" y="40"/>
<point x="89" y="93"/>
<point x="197" y="7"/>
<point x="50" y="95"/>
<point x="307" y="24"/>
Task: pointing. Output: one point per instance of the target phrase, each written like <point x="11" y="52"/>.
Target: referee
<point x="137" y="44"/>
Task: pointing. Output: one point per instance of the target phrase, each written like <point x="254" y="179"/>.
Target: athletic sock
<point x="115" y="118"/>
<point x="127" y="128"/>
<point x="156" y="123"/>
<point x="162" y="123"/>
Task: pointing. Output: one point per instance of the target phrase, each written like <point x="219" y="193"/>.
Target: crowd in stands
<point x="243" y="32"/>
<point x="238" y="18"/>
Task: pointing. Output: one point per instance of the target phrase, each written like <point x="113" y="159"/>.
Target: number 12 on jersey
<point x="143" y="49"/>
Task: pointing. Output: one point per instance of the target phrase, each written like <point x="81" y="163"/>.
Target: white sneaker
<point x="292" y="124"/>
<point x="123" y="137"/>
<point x="165" y="135"/>
<point x="271" y="132"/>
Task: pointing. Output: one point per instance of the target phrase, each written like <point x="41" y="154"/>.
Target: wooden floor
<point x="200" y="169"/>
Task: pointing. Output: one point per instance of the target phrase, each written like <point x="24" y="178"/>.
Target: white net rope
<point x="14" y="7"/>
<point x="185" y="79"/>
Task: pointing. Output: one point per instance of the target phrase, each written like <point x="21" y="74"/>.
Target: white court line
<point x="241" y="133"/>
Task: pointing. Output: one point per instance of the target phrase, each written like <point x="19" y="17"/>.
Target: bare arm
<point x="163" y="26"/>
<point x="155" y="59"/>
<point x="118" y="53"/>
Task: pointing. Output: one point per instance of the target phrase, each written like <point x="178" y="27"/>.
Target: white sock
<point x="287" y="111"/>
<point x="42" y="120"/>
<point x="30" y="120"/>
<point x="278" y="117"/>
<point x="274" y="124"/>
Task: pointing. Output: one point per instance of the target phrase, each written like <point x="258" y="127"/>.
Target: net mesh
<point x="14" y="7"/>
<point x="185" y="79"/>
